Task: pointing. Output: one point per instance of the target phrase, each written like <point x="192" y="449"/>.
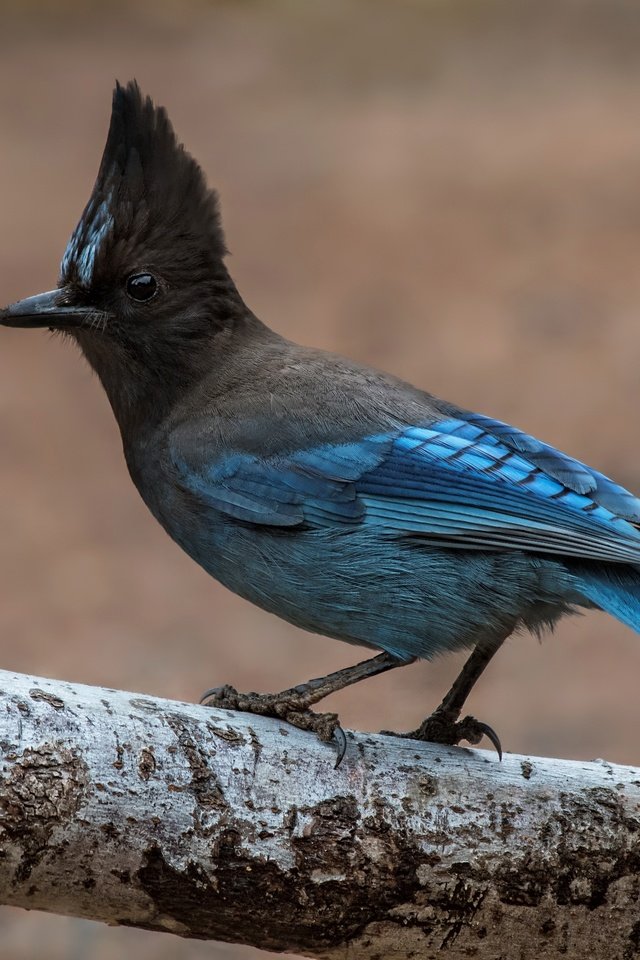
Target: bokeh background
<point x="450" y="190"/>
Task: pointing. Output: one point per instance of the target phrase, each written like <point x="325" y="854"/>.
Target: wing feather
<point x="466" y="482"/>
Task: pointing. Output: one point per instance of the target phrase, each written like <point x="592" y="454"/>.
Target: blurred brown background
<point x="449" y="190"/>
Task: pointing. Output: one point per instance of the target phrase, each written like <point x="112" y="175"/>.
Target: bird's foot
<point x="290" y="706"/>
<point x="440" y="728"/>
<point x="293" y="705"/>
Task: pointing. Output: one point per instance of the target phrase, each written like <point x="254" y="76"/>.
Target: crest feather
<point x="148" y="189"/>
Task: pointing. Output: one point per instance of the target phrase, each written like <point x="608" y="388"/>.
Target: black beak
<point x="48" y="309"/>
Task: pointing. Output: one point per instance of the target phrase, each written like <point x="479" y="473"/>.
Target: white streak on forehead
<point x="86" y="240"/>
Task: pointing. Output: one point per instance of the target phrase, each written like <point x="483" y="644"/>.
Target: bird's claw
<point x="225" y="697"/>
<point x="473" y="731"/>
<point x="286" y="706"/>
<point x="341" y="743"/>
<point x="438" y="728"/>
<point x="219" y="697"/>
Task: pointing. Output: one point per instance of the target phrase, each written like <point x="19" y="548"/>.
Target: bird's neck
<point x="144" y="386"/>
<point x="139" y="394"/>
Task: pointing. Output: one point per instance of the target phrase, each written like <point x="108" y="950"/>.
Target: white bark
<point x="210" y="824"/>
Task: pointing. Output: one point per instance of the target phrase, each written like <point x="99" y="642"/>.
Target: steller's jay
<point x="333" y="495"/>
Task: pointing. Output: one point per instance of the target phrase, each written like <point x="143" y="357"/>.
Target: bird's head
<point x="142" y="282"/>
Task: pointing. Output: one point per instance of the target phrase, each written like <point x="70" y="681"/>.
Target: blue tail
<point x="615" y="590"/>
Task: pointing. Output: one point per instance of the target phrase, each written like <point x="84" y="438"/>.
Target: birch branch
<point x="204" y="823"/>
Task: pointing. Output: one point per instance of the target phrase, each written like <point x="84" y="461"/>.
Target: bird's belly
<point x="376" y="591"/>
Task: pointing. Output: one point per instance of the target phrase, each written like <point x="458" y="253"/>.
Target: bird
<point x="334" y="495"/>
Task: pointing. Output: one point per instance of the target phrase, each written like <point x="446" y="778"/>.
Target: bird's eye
<point x="142" y="287"/>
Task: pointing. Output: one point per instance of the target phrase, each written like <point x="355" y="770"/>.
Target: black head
<point x="150" y="213"/>
<point x="142" y="281"/>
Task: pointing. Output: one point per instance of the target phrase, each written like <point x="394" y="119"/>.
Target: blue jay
<point x="333" y="495"/>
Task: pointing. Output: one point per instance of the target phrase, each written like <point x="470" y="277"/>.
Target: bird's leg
<point x="443" y="725"/>
<point x="293" y="705"/>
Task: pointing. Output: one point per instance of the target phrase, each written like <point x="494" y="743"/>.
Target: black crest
<point x="150" y="195"/>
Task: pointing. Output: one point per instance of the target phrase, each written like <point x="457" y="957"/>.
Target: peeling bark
<point x="210" y="824"/>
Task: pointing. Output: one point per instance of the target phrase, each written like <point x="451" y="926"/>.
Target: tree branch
<point x="209" y="824"/>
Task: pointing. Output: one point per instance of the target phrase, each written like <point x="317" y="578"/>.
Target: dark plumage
<point x="331" y="494"/>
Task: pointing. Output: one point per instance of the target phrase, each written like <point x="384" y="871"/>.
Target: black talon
<point x="473" y="731"/>
<point x="491" y="735"/>
<point x="341" y="740"/>
<point x="225" y="697"/>
<point x="211" y="692"/>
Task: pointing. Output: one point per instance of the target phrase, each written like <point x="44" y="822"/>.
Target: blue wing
<point x="467" y="482"/>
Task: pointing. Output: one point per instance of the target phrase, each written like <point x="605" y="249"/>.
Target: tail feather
<point x="615" y="590"/>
